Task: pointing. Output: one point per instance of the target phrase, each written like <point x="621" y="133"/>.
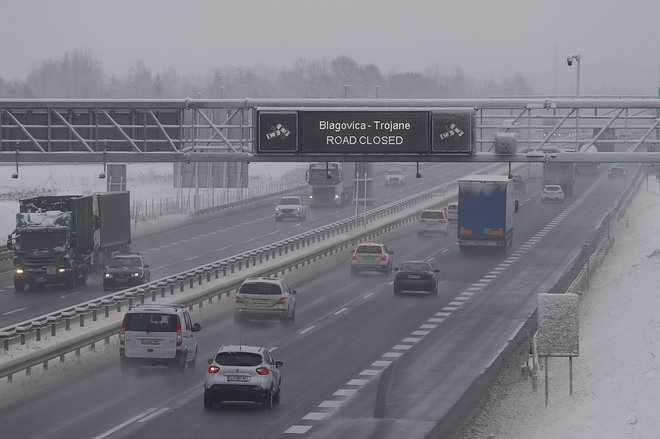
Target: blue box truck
<point x="486" y="208"/>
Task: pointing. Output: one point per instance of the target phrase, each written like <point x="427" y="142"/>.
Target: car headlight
<point x="61" y="270"/>
<point x="298" y="208"/>
<point x="19" y="271"/>
<point x="136" y="274"/>
<point x="336" y="196"/>
<point x="108" y="275"/>
<point x="277" y="209"/>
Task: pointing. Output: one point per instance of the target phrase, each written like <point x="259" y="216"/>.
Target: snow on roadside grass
<point x="615" y="392"/>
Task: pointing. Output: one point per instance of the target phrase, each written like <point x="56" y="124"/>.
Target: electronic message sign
<point x="277" y="131"/>
<point x="453" y="130"/>
<point x="364" y="132"/>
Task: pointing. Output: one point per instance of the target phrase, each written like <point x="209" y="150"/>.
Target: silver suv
<point x="373" y="257"/>
<point x="243" y="373"/>
<point x="158" y="335"/>
<point x="395" y="176"/>
<point x="265" y="298"/>
<point x="290" y="207"/>
<point x="432" y="221"/>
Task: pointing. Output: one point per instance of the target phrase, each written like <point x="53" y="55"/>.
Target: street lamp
<point x="377" y="91"/>
<point x="346" y="87"/>
<point x="577" y="58"/>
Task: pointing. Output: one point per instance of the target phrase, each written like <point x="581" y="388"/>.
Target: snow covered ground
<point x="615" y="378"/>
<point x="149" y="183"/>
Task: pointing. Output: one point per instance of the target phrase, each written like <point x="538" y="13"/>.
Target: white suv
<point x="552" y="192"/>
<point x="432" y="221"/>
<point x="158" y="335"/>
<point x="265" y="298"/>
<point x="290" y="207"/>
<point x="373" y="257"/>
<point x="243" y="373"/>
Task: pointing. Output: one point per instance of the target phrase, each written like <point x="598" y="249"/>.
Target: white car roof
<point x="241" y="348"/>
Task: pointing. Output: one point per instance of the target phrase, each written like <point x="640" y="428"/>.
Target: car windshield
<point x="432" y="214"/>
<point x="238" y="359"/>
<point x="552" y="188"/>
<point x="415" y="266"/>
<point x="452" y="207"/>
<point x="125" y="263"/>
<point x="263" y="288"/>
<point x="151" y="322"/>
<point x="375" y="249"/>
<point x="394" y="172"/>
<point x="290" y="200"/>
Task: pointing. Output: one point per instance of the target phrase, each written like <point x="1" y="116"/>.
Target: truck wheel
<point x="19" y="285"/>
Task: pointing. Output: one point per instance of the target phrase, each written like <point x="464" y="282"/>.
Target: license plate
<point x="414" y="276"/>
<point x="260" y="302"/>
<point x="151" y="342"/>
<point x="240" y="378"/>
<point x="50" y="270"/>
<point x="121" y="279"/>
<point x="40" y="279"/>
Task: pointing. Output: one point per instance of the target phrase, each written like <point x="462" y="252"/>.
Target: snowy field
<point x="148" y="183"/>
<point x="616" y="376"/>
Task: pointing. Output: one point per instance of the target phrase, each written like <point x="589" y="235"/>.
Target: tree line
<point x="79" y="74"/>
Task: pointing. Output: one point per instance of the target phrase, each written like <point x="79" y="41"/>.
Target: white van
<point x="160" y="335"/>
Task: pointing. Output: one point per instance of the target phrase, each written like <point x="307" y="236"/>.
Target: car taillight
<point x="281" y="301"/>
<point x="354" y="257"/>
<point x="443" y="221"/>
<point x="446" y="211"/>
<point x="178" y="331"/>
<point x="214" y="369"/>
<point x="397" y="275"/>
<point x="383" y="257"/>
<point x="239" y="299"/>
<point x="122" y="331"/>
<point x="262" y="370"/>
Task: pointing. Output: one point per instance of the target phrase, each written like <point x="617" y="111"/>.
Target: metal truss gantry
<point x="199" y="130"/>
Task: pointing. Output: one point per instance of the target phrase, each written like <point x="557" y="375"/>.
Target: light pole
<point x="577" y="58"/>
<point x="346" y="87"/>
<point x="377" y="91"/>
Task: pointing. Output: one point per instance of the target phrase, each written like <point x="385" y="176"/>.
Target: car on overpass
<point x="416" y="276"/>
<point x="395" y="177"/>
<point x="243" y="373"/>
<point x="617" y="172"/>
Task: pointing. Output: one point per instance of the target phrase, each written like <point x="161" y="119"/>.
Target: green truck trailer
<point x="61" y="239"/>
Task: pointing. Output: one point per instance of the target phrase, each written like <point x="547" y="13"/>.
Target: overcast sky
<point x="619" y="41"/>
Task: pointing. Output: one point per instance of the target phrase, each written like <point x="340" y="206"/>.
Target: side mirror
<point x="516" y="206"/>
<point x="10" y="245"/>
<point x="397" y="269"/>
<point x="294" y="292"/>
<point x="352" y="251"/>
<point x="391" y="252"/>
<point x="436" y="271"/>
<point x="210" y="361"/>
<point x="146" y="265"/>
<point x="197" y="327"/>
<point x="279" y="364"/>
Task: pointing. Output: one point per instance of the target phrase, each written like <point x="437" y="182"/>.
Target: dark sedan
<point x="416" y="276"/>
<point x="126" y="271"/>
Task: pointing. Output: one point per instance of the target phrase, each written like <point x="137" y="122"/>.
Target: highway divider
<point x="39" y="340"/>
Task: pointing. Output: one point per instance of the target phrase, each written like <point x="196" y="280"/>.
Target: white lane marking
<point x="381" y="363"/>
<point x="124" y="424"/>
<point x="345" y="392"/>
<point x="428" y="326"/>
<point x="309" y="328"/>
<point x="330" y="403"/>
<point x="450" y="308"/>
<point x="368" y="295"/>
<point x="436" y="320"/>
<point x="444" y="251"/>
<point x="298" y="429"/>
<point x="70" y="294"/>
<point x="315" y="416"/>
<point x="370" y="372"/>
<point x="390" y="283"/>
<point x="392" y="354"/>
<point x="456" y="303"/>
<point x="154" y="414"/>
<point x="411" y="339"/>
<point x="402" y="347"/>
<point x="443" y="314"/>
<point x="490" y="276"/>
<point x="421" y="332"/>
<point x="357" y="382"/>
<point x="340" y="311"/>
<point x="14" y="311"/>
